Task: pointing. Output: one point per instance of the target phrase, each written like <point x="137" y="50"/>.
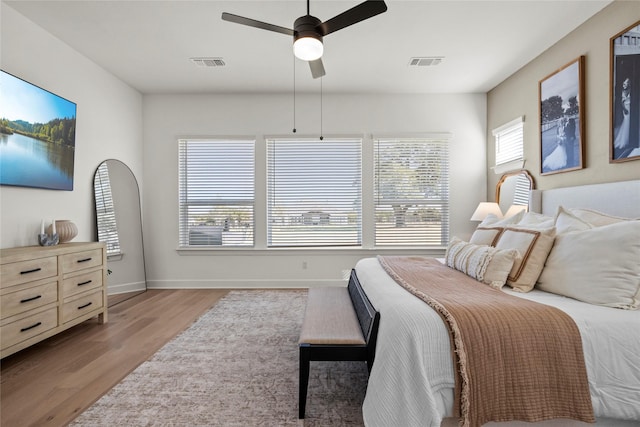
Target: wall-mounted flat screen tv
<point x="37" y="136"/>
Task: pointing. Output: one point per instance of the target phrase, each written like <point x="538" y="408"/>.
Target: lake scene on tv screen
<point x="37" y="136"/>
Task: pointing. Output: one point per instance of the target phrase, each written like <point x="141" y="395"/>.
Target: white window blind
<point x="509" y="141"/>
<point x="105" y="212"/>
<point x="522" y="190"/>
<point x="216" y="192"/>
<point x="314" y="192"/>
<point x="411" y="192"/>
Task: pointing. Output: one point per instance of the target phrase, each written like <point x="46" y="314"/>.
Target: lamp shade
<point x="308" y="48"/>
<point x="484" y="209"/>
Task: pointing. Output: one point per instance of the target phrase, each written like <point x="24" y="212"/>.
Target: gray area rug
<point x="237" y="365"/>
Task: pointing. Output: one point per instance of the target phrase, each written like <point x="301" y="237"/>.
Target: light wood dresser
<point x="47" y="289"/>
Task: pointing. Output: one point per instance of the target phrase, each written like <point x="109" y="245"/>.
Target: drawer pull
<point x="31" y="271"/>
<point x="30" y="299"/>
<point x="84" y="260"/>
<point x="85" y="306"/>
<point x="84" y="283"/>
<point x="30" y="327"/>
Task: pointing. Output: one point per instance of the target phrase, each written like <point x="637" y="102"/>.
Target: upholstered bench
<point x="339" y="324"/>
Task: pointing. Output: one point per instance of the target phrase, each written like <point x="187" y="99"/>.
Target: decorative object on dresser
<point x="50" y="238"/>
<point x="47" y="289"/>
<point x="65" y="229"/>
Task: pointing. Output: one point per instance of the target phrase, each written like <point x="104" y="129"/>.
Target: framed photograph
<point x="625" y="95"/>
<point x="562" y="119"/>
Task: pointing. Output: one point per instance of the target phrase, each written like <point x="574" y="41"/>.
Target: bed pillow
<point x="534" y="246"/>
<point x="490" y="228"/>
<point x="536" y="220"/>
<point x="484" y="263"/>
<point x="493" y="220"/>
<point x="486" y="235"/>
<point x="597" y="219"/>
<point x="566" y="221"/>
<point x="599" y="265"/>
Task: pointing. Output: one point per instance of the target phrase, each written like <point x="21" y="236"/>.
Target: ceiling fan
<point x="308" y="30"/>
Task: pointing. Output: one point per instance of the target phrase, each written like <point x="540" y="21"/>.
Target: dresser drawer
<point x="81" y="283"/>
<point x="28" y="298"/>
<point x="28" y="327"/>
<point x="77" y="306"/>
<point x="16" y="273"/>
<point x="81" y="260"/>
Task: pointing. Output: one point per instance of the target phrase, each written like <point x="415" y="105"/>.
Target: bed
<point x="413" y="378"/>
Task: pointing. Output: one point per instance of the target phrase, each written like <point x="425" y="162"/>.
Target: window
<point x="522" y="190"/>
<point x="509" y="144"/>
<point x="216" y="192"/>
<point x="411" y="192"/>
<point x="105" y="212"/>
<point x="314" y="192"/>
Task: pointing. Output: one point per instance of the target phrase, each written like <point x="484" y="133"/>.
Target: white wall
<point x="109" y="125"/>
<point x="112" y="119"/>
<point x="169" y="117"/>
<point x="518" y="96"/>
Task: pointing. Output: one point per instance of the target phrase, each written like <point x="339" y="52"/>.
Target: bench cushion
<point x="330" y="318"/>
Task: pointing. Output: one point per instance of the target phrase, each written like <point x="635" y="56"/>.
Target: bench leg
<point x="304" y="381"/>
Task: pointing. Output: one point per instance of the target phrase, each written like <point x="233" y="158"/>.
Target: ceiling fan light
<point x="308" y="48"/>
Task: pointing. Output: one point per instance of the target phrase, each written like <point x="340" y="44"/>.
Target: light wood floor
<point x="52" y="382"/>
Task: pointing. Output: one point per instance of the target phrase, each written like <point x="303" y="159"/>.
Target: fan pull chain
<point x="294" y="94"/>
<point x="321" y="137"/>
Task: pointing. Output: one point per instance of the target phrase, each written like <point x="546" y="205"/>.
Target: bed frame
<point x="605" y="198"/>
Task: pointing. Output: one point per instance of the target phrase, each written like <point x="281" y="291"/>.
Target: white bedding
<point x="411" y="383"/>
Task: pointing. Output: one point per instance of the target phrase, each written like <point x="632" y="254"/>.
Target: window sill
<point x="319" y="251"/>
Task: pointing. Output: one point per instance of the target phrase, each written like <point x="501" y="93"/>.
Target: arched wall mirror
<point x="119" y="226"/>
<point x="513" y="189"/>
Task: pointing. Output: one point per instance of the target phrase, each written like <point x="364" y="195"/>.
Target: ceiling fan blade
<point x="317" y="69"/>
<point x="257" y="24"/>
<point x="354" y="15"/>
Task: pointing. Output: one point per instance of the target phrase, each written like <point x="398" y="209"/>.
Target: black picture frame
<point x="561" y="112"/>
<point x="625" y="95"/>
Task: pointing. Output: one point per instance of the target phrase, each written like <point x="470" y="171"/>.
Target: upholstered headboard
<point x="614" y="198"/>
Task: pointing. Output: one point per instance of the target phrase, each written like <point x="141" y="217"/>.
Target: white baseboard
<point x="125" y="287"/>
<point x="244" y="284"/>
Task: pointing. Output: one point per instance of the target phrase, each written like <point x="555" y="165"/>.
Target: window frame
<point x="509" y="145"/>
<point x="424" y="203"/>
<point x="324" y="218"/>
<point x="184" y="230"/>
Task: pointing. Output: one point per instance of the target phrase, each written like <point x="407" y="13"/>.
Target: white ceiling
<point x="148" y="44"/>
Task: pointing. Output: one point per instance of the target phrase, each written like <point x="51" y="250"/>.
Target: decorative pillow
<point x="485" y="235"/>
<point x="483" y="263"/>
<point x="489" y="219"/>
<point x="597" y="219"/>
<point x="536" y="220"/>
<point x="533" y="245"/>
<point x="566" y="221"/>
<point x="490" y="228"/>
<point x="599" y="266"/>
<point x="494" y="221"/>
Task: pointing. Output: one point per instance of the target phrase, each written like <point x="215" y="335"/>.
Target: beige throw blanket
<point x="516" y="359"/>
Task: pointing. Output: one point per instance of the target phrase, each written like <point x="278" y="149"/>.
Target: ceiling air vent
<point x="428" y="61"/>
<point x="208" y="62"/>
